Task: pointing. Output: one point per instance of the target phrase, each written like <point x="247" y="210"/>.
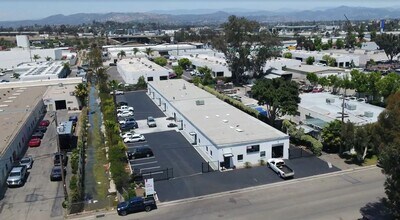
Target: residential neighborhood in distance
<point x="200" y="109"/>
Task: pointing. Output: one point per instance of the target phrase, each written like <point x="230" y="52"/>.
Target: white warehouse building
<point x="133" y="68"/>
<point x="221" y="133"/>
<point x="41" y="70"/>
<point x="342" y="60"/>
<point x="218" y="65"/>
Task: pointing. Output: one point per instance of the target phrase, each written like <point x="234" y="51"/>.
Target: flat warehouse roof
<point x="220" y="122"/>
<point x="16" y="104"/>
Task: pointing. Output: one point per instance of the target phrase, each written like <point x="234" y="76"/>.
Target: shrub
<point x="262" y="162"/>
<point x="313" y="144"/>
<point x="287" y="55"/>
<point x="160" y="61"/>
<point x="75" y="160"/>
<point x="310" y="60"/>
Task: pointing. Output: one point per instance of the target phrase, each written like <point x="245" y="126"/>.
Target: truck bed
<point x="285" y="169"/>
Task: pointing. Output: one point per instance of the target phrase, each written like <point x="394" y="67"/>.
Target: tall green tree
<point x="331" y="136"/>
<point x="339" y="44"/>
<point x="141" y="84"/>
<point x="310" y="60"/>
<point x="135" y="51"/>
<point x="184" y="63"/>
<point x="121" y="54"/>
<point x="390" y="43"/>
<point x="389" y="84"/>
<point x="245" y="48"/>
<point x="372" y="82"/>
<point x="178" y="71"/>
<point x="281" y="97"/>
<point x="313" y="78"/>
<point x="81" y="92"/>
<point x="388" y="138"/>
<point x="36" y="57"/>
<point x="148" y="51"/>
<point x="162" y="61"/>
<point x="359" y="80"/>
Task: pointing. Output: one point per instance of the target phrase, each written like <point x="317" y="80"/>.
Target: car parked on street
<point x="126" y="134"/>
<point x="140" y="152"/>
<point x="17" y="176"/>
<point x="117" y="92"/>
<point x="27" y="162"/>
<point x="121" y="103"/>
<point x="136" y="204"/>
<point x="34" y="142"/>
<point x="125" y="114"/>
<point x="127" y="120"/>
<point x="151" y="122"/>
<point x="125" y="108"/>
<point x="134" y="138"/>
<point x="74" y="119"/>
<point x="44" y="123"/>
<point x="56" y="175"/>
<point x="58" y="157"/>
<point x="128" y="126"/>
<point x="42" y="129"/>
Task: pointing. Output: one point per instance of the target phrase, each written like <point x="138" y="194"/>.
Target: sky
<point x="11" y="10"/>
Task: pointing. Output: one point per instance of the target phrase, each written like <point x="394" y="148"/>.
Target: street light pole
<point x="61" y="158"/>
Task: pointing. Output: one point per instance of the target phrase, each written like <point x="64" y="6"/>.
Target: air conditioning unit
<point x="199" y="102"/>
<point x="351" y="106"/>
<point x="330" y="100"/>
<point x="368" y="114"/>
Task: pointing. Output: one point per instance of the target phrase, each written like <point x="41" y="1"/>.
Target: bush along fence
<point x="76" y="185"/>
<point x="297" y="136"/>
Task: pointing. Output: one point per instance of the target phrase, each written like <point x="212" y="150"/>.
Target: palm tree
<point x="121" y="54"/>
<point x="48" y="58"/>
<point x="112" y="130"/>
<point x="113" y="84"/>
<point x="149" y="51"/>
<point x="36" y="57"/>
<point x="81" y="92"/>
<point x="135" y="51"/>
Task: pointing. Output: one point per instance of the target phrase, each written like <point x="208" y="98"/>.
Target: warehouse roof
<point x="16" y="104"/>
<point x="220" y="122"/>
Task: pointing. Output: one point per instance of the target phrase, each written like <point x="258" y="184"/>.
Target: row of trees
<point x="373" y="85"/>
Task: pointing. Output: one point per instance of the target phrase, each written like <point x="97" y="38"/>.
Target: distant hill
<point x="207" y="17"/>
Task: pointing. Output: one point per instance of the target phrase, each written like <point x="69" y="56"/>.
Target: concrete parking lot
<point x="39" y="198"/>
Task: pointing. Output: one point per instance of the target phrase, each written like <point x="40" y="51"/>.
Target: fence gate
<point x="297" y="152"/>
<point x="206" y="167"/>
<point x="158" y="175"/>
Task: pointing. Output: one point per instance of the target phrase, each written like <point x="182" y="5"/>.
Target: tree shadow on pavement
<point x="376" y="211"/>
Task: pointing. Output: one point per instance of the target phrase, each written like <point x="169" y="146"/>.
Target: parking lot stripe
<point x="140" y="164"/>
<point x="149" y="168"/>
<point x="147" y="174"/>
<point x="146" y="158"/>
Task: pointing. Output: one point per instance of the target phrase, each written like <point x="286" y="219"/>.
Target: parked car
<point x="34" y="142"/>
<point x="38" y="135"/>
<point x="44" y="123"/>
<point x="58" y="157"/>
<point x="128" y="126"/>
<point x="125" y="114"/>
<point x="74" y="119"/>
<point x="127" y="120"/>
<point x="307" y="88"/>
<point x="171" y="125"/>
<point x="134" y="138"/>
<point x="140" y="152"/>
<point x="136" y="204"/>
<point x="117" y="92"/>
<point x="279" y="166"/>
<point x="17" y="176"/>
<point x="126" y="134"/>
<point x="56" y="175"/>
<point x="4" y="81"/>
<point x="42" y="129"/>
<point x="121" y="103"/>
<point x="27" y="162"/>
<point x="125" y="108"/>
<point x="151" y="122"/>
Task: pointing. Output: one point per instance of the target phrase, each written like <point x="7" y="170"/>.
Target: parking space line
<point x="147" y="174"/>
<point x="140" y="164"/>
<point x="146" y="158"/>
<point x="149" y="168"/>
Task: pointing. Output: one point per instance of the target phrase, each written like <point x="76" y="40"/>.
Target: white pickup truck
<point x="125" y="108"/>
<point x="279" y="166"/>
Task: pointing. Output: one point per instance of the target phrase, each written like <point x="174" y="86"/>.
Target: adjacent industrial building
<point x="221" y="133"/>
<point x="342" y="60"/>
<point x="41" y="70"/>
<point x="132" y="69"/>
<point x="318" y="109"/>
<point x="20" y="111"/>
<point x="218" y="65"/>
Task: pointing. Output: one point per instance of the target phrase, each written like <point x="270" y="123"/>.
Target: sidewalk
<point x="335" y="160"/>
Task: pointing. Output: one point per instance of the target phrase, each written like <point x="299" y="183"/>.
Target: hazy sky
<point x="36" y="9"/>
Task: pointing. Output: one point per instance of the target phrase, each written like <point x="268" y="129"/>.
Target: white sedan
<point x="125" y="114"/>
<point x="127" y="135"/>
<point x="134" y="138"/>
<point x="117" y="92"/>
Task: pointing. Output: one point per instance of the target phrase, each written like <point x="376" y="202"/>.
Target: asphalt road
<point x="331" y="196"/>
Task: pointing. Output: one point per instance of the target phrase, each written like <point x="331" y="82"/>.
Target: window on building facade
<point x="277" y="151"/>
<point x="240" y="157"/>
<point x="206" y="148"/>
<point x="253" y="148"/>
<point x="211" y="152"/>
<point x="262" y="154"/>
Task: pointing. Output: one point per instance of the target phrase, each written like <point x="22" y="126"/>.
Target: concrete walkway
<point x="335" y="160"/>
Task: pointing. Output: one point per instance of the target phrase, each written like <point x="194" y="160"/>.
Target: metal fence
<point x="158" y="175"/>
<point x="297" y="152"/>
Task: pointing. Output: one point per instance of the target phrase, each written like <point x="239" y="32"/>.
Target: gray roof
<point x="222" y="123"/>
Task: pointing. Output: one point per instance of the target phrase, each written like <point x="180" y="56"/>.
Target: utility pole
<point x="61" y="158"/>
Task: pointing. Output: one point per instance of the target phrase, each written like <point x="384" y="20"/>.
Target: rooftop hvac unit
<point x="199" y="102"/>
<point x="368" y="114"/>
<point x="330" y="100"/>
<point x="351" y="106"/>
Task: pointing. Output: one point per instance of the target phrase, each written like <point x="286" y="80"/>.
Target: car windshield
<point x="26" y="160"/>
<point x="15" y="174"/>
<point x="56" y="170"/>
